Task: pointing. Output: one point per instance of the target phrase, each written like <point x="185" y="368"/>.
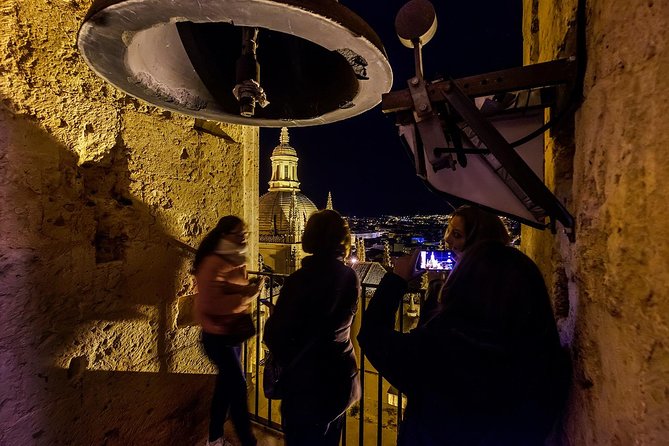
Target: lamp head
<point x="416" y="23"/>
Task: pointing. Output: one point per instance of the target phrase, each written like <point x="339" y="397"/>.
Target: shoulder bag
<point x="272" y="372"/>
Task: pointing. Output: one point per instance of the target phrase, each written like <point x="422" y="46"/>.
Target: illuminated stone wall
<point x="94" y="185"/>
<point x="611" y="286"/>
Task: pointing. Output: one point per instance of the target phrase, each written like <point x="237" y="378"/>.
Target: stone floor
<point x="266" y="437"/>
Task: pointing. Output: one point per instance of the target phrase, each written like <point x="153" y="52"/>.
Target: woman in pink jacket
<point x="222" y="310"/>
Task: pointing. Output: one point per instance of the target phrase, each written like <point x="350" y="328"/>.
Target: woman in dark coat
<point x="467" y="226"/>
<point x="487" y="369"/>
<point x="313" y="315"/>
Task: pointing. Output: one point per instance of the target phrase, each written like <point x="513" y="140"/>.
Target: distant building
<point x="368" y="235"/>
<point x="329" y="203"/>
<point x="283" y="212"/>
<point x="370" y="274"/>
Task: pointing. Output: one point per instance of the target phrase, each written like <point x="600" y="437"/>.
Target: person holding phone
<point x="468" y="225"/>
<point x="222" y="309"/>
<point x="487" y="369"/>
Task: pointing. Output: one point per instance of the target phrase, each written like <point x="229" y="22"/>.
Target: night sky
<point x="361" y="160"/>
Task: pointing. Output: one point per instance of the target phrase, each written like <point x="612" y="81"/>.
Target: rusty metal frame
<point x="410" y="105"/>
<point x="557" y="72"/>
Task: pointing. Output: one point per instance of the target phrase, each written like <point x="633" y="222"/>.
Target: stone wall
<point x="94" y="186"/>
<point x="610" y="167"/>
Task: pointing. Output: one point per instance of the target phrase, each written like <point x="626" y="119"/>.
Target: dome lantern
<point x="284" y="210"/>
<point x="284" y="166"/>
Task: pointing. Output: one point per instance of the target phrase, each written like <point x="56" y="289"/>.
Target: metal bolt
<point x="423" y="107"/>
<point x="414" y="81"/>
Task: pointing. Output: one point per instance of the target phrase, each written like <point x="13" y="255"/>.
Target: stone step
<point x="265" y="436"/>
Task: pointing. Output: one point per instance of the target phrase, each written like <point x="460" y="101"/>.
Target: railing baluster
<point x="257" y="364"/>
<point x="343" y="430"/>
<point x="245" y="350"/>
<point x="361" y="414"/>
<point x="379" y="398"/>
<point x="399" y="392"/>
<point x="271" y="300"/>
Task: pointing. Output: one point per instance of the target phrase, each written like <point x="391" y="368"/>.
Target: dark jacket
<point x="318" y="301"/>
<point x="430" y="304"/>
<point x="464" y="384"/>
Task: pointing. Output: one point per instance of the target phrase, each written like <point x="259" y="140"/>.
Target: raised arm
<point x="402" y="358"/>
<point x="218" y="296"/>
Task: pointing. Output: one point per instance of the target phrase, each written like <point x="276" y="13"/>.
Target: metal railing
<point x="371" y="421"/>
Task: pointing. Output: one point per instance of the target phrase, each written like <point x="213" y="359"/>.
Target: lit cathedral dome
<point x="284" y="210"/>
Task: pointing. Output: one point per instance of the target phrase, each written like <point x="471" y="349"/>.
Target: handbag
<point x="241" y="327"/>
<point x="237" y="327"/>
<point x="272" y="373"/>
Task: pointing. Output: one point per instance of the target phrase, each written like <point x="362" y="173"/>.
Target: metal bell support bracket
<point x="458" y="130"/>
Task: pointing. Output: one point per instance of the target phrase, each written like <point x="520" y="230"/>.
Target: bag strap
<point x="299" y="356"/>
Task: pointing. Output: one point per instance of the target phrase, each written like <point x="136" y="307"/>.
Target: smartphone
<point x="436" y="260"/>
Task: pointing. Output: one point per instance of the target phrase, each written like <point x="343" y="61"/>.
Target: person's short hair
<point x="481" y="225"/>
<point x="327" y="233"/>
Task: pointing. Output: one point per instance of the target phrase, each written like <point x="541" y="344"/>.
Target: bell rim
<point x="366" y="42"/>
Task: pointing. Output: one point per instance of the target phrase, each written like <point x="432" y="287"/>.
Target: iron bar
<point x="539" y="75"/>
<point x="361" y="414"/>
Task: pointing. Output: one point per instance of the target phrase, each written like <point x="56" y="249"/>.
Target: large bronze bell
<point x="267" y="63"/>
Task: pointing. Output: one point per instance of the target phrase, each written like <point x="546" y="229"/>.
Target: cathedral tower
<point x="283" y="211"/>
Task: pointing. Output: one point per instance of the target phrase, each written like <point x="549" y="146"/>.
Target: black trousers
<point x="302" y="427"/>
<point x="230" y="389"/>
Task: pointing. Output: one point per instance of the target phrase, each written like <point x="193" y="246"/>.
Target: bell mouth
<point x="316" y="62"/>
